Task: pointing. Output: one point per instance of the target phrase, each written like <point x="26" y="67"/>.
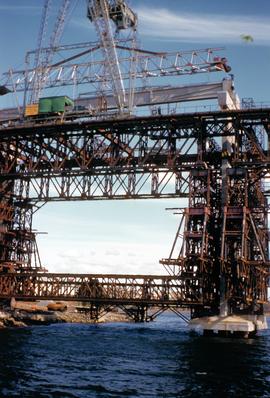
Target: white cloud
<point x="133" y="258"/>
<point x="188" y="27"/>
<point x="112" y="252"/>
<point x="108" y="237"/>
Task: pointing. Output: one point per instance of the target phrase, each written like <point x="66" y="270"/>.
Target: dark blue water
<point x="160" y="359"/>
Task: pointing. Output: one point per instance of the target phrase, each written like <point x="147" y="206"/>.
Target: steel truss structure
<point x="107" y="90"/>
<point x="134" y="294"/>
<point x="66" y="72"/>
<point x="215" y="159"/>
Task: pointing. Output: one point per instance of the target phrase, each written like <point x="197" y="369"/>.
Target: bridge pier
<point x="230" y="325"/>
<point x="138" y="313"/>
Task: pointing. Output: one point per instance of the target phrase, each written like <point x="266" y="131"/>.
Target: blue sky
<point x="131" y="236"/>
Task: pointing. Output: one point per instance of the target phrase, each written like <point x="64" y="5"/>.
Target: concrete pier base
<point x="231" y="325"/>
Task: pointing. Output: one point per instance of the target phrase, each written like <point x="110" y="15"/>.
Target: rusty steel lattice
<point x="215" y="159"/>
<point x="200" y="244"/>
<point x="134" y="294"/>
<point x="123" y="289"/>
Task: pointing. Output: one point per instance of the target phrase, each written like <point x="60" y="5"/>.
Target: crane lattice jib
<point x="38" y="54"/>
<point x="42" y="67"/>
<point x="99" y="14"/>
<point x="58" y="29"/>
<point x="150" y="64"/>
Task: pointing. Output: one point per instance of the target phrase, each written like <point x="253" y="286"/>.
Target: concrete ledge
<point x="233" y="323"/>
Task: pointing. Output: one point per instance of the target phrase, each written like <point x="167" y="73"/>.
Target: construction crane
<point x="114" y="67"/>
<point x="43" y="59"/>
<point x="37" y="61"/>
<point x="101" y="12"/>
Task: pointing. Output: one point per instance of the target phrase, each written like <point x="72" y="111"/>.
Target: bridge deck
<point x="103" y="289"/>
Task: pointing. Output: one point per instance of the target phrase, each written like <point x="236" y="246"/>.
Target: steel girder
<point x="144" y="157"/>
<point x="96" y="288"/>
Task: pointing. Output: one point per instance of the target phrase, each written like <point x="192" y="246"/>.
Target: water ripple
<point x="160" y="359"/>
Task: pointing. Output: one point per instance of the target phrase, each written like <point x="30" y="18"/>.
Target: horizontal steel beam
<point x="186" y="123"/>
<point x="103" y="289"/>
<point x="147" y="65"/>
<point x="144" y="97"/>
<point x="159" y="95"/>
<point x="146" y="157"/>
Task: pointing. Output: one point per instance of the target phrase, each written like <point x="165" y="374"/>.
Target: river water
<point x="158" y="359"/>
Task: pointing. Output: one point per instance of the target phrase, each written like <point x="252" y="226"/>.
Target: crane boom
<point x="41" y="64"/>
<point x="58" y="29"/>
<point x="41" y="36"/>
<point x="150" y="65"/>
<point x="100" y="12"/>
<point x="42" y="31"/>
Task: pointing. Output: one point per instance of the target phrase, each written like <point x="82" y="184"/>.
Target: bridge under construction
<point x="223" y="259"/>
<point x="219" y="161"/>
